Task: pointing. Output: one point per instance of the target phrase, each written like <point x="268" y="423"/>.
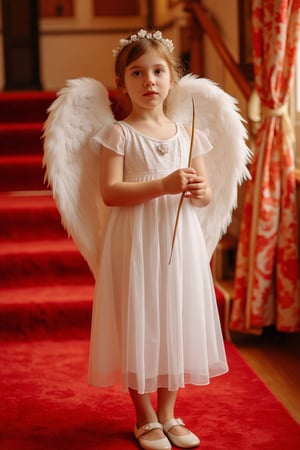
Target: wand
<point x="182" y="195"/>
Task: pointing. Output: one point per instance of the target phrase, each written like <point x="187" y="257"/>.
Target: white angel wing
<point x="217" y="114"/>
<point x="72" y="169"/>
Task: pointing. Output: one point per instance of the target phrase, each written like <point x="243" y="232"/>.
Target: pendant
<point x="162" y="149"/>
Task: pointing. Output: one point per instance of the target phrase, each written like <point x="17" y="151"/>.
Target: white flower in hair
<point x="157" y="35"/>
<point x="143" y="34"/>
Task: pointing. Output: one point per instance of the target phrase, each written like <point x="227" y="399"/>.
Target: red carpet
<point x="45" y="310"/>
<point x="46" y="404"/>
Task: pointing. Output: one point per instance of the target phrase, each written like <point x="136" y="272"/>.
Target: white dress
<point x="154" y="324"/>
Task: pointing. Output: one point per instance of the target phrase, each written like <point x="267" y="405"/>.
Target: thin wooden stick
<point x="182" y="195"/>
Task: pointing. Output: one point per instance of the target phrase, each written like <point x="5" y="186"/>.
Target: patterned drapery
<point x="267" y="270"/>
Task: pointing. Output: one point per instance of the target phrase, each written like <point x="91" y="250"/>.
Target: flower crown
<point x="143" y="34"/>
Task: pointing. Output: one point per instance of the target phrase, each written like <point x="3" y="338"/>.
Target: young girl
<point x="155" y="324"/>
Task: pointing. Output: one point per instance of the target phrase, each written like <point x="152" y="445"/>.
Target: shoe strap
<point x="138" y="432"/>
<point x="173" y="423"/>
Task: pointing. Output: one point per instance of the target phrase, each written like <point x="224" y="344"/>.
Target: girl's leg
<point x="145" y="413"/>
<point x="165" y="404"/>
<point x="165" y="409"/>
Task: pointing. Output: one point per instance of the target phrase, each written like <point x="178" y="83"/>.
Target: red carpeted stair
<point x="21" y="118"/>
<point x="45" y="284"/>
<point x="46" y="294"/>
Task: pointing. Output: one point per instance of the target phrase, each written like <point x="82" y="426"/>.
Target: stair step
<point x="41" y="311"/>
<point x="17" y="106"/>
<point x="21" y="212"/>
<point x="21" y="138"/>
<point x="21" y="172"/>
<point x="27" y="263"/>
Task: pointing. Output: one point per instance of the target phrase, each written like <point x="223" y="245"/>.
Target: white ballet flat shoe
<point x="189" y="440"/>
<point x="147" y="444"/>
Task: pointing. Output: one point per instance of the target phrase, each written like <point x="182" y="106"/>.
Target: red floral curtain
<point x="267" y="271"/>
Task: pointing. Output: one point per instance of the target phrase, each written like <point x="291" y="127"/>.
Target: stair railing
<point x="205" y="25"/>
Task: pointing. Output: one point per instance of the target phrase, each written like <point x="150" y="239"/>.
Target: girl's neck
<point x="147" y="116"/>
<point x="157" y="126"/>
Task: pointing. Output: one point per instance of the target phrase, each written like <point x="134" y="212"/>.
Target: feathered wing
<point x="72" y="169"/>
<point x="217" y="114"/>
<point x="82" y="108"/>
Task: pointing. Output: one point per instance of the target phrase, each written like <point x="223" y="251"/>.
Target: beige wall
<point x="76" y="55"/>
<point x="81" y="45"/>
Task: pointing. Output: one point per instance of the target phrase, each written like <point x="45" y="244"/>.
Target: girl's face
<point x="148" y="80"/>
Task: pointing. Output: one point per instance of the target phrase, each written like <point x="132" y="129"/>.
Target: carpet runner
<point x="46" y="404"/>
<point x="46" y="294"/>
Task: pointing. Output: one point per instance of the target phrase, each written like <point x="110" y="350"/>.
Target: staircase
<point x="45" y="287"/>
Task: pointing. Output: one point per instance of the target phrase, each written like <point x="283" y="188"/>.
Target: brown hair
<point x="136" y="49"/>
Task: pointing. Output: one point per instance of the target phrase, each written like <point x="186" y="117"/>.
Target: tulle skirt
<point x="154" y="324"/>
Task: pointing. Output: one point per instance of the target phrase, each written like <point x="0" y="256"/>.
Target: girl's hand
<point x="198" y="190"/>
<point x="179" y="181"/>
<point x="196" y="187"/>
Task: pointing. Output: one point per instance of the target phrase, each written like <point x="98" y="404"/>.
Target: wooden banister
<point x="204" y="22"/>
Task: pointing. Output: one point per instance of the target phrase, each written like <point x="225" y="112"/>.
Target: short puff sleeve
<point x="201" y="144"/>
<point x="111" y="137"/>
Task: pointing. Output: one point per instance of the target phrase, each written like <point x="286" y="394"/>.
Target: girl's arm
<point x="116" y="192"/>
<point x="198" y="189"/>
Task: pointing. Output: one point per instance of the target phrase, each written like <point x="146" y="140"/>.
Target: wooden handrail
<point x="206" y="24"/>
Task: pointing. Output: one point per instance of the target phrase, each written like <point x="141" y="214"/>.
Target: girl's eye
<point x="137" y="73"/>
